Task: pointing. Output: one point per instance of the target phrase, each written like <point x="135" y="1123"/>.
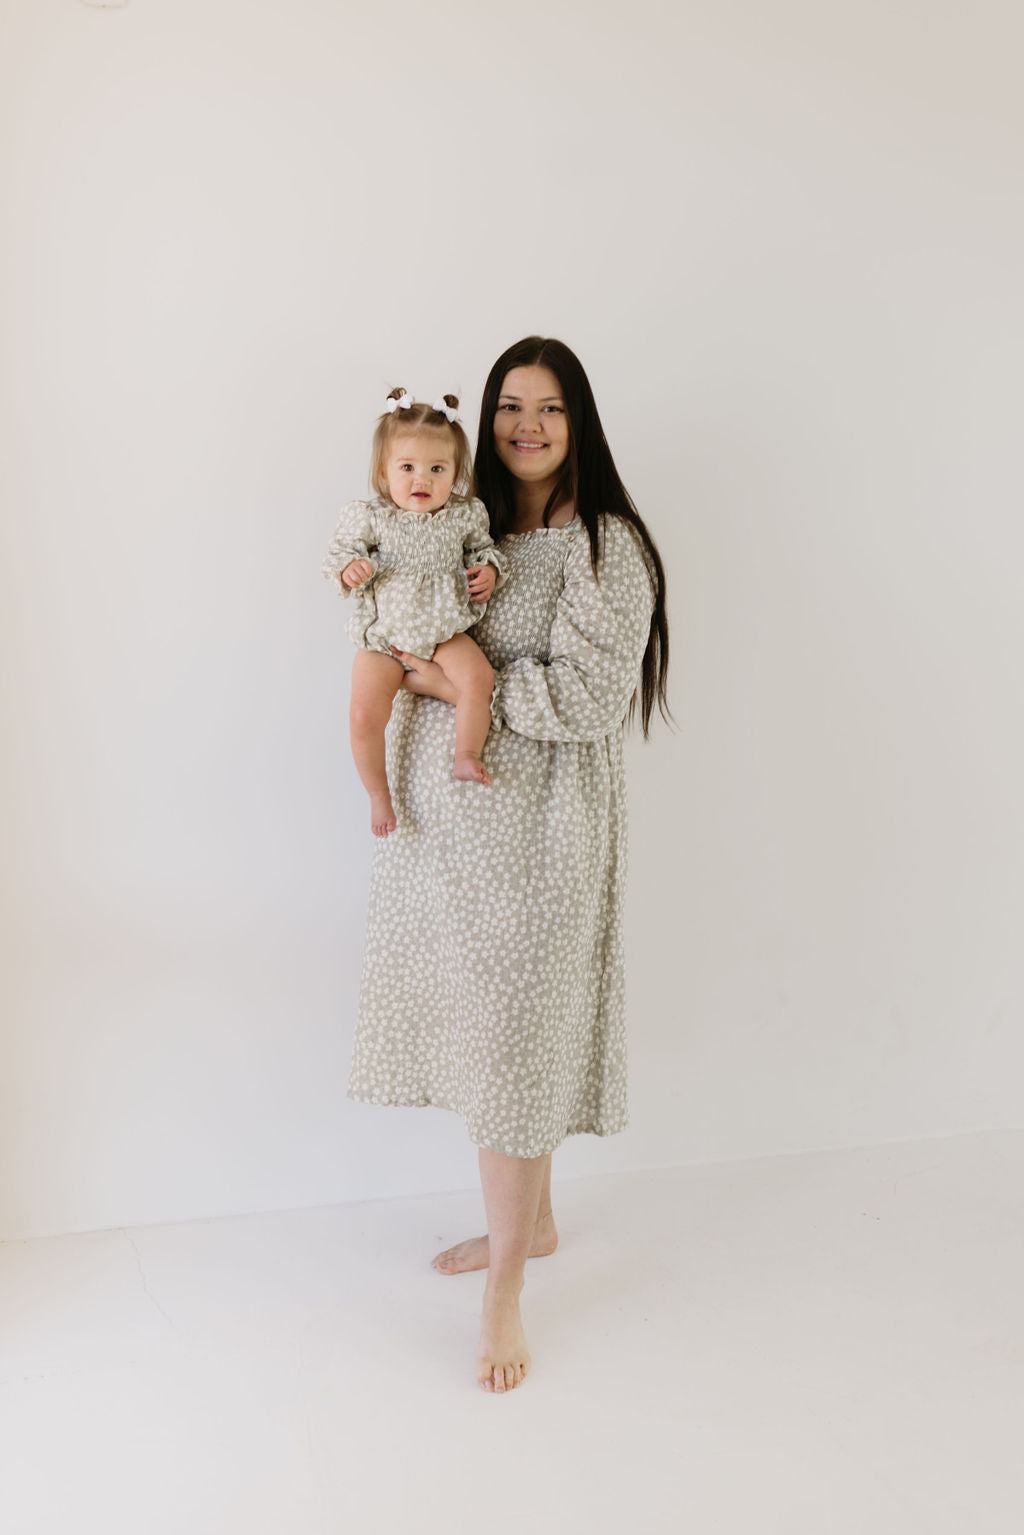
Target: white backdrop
<point x="786" y="241"/>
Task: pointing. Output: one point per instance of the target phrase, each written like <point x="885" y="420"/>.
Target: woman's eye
<point x="506" y="407"/>
<point x="557" y="408"/>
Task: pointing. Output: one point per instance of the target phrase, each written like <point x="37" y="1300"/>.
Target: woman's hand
<point x="481" y="579"/>
<point x="356" y="573"/>
<point x="425" y="677"/>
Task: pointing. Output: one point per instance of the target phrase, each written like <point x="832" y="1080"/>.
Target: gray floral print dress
<point x="492" y="980"/>
<point x="417" y="595"/>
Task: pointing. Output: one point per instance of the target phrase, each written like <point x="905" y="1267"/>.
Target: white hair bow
<point x="402" y="403"/>
<point x="451" y="411"/>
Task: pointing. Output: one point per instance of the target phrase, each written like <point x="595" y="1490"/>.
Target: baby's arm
<point x="485" y="567"/>
<point x="349" y="560"/>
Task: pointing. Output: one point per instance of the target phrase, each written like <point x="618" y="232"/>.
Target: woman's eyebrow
<point x="544" y="398"/>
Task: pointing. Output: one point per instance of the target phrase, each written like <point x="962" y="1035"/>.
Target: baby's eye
<point x="438" y="468"/>
<point x="405" y="468"/>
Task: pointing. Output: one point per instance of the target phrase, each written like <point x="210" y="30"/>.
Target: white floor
<point x="803" y="1345"/>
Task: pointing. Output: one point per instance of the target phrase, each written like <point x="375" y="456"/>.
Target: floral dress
<point x="493" y="978"/>
<point x="417" y="596"/>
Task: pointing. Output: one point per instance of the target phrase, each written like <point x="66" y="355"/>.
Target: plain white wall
<point x="786" y="241"/>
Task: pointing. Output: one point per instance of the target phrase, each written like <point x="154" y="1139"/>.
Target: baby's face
<point x="420" y="470"/>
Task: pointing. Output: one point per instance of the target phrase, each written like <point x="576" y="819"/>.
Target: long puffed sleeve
<point x="598" y="639"/>
<point x="478" y="546"/>
<point x="353" y="539"/>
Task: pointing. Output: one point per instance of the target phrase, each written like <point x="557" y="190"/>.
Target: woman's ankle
<point x="505" y="1279"/>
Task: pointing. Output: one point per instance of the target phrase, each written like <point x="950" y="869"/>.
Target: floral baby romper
<point x="417" y="596"/>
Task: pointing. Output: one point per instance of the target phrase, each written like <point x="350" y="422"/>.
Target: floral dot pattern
<point x="493" y="978"/>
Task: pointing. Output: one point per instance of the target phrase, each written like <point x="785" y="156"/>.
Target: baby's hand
<point x="356" y="573"/>
<point x="481" y="582"/>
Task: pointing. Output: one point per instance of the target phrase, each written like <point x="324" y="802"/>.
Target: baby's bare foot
<point x="468" y="766"/>
<point x="475" y="1252"/>
<point x="504" y="1359"/>
<point x="382" y="814"/>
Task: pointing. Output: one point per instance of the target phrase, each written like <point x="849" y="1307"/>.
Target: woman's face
<point x="531" y="427"/>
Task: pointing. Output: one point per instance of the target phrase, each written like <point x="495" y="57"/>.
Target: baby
<point x="420" y="563"/>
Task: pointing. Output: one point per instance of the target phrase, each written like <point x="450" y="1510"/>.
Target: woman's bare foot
<point x="475" y="1252"/>
<point x="468" y="766"/>
<point x="382" y="814"/>
<point x="504" y="1360"/>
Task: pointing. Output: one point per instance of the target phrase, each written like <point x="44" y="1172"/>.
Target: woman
<point x="493" y="971"/>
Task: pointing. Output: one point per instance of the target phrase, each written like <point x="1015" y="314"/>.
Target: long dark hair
<point x="588" y="478"/>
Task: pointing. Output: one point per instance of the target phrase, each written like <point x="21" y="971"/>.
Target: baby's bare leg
<point x="376" y="679"/>
<point x="466" y="666"/>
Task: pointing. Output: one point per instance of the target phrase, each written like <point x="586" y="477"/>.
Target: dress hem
<point x="436" y="1103"/>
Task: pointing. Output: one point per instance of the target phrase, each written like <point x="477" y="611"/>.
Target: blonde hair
<point x="420" y="417"/>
